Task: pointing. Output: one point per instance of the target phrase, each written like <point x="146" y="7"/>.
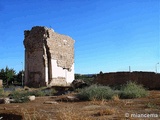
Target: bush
<point x="19" y="97"/>
<point x="1" y="91"/>
<point x="36" y="93"/>
<point x="50" y="92"/>
<point x="47" y="91"/>
<point x="96" y="92"/>
<point x="132" y="90"/>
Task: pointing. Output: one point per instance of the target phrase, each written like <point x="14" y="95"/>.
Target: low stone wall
<point x="149" y="80"/>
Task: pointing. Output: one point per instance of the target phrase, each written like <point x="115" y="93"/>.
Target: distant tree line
<point x="87" y="78"/>
<point x="10" y="77"/>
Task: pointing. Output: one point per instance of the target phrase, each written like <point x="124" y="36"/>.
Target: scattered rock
<point x="78" y="83"/>
<point x="72" y="98"/>
<point x="50" y="102"/>
<point x="12" y="100"/>
<point x="31" y="98"/>
<point x="4" y="101"/>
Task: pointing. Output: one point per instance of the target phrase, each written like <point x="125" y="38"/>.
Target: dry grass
<point x="88" y="112"/>
<point x="6" y="93"/>
<point x="71" y="113"/>
<point x="32" y="114"/>
<point x="98" y="102"/>
<point x="105" y="112"/>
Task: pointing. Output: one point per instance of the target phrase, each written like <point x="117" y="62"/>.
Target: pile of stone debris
<point x="7" y="100"/>
<point x="78" y="83"/>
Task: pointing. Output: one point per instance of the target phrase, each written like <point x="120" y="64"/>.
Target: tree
<point x="7" y="75"/>
<point x="3" y="74"/>
<point x="100" y="72"/>
<point x="19" y="76"/>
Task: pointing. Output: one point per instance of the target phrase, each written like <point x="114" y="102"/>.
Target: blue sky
<point x="110" y="35"/>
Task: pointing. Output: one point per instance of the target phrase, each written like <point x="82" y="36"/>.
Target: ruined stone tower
<point x="49" y="58"/>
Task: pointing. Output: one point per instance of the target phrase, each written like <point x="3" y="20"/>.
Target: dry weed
<point x="115" y="98"/>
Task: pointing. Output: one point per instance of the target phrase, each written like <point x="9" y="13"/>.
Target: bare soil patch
<point x="82" y="110"/>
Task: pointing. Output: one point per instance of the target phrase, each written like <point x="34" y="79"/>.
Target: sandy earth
<point x="117" y="109"/>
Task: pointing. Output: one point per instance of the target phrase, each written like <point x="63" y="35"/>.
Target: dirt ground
<point x="116" y="109"/>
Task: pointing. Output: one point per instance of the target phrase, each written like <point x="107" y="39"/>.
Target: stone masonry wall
<point x="34" y="63"/>
<point x="149" y="80"/>
<point x="61" y="48"/>
<point x="41" y="46"/>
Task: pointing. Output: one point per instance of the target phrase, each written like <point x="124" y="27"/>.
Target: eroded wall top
<point x="59" y="47"/>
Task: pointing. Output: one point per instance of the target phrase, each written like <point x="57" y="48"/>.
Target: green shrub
<point x="96" y="92"/>
<point x="19" y="97"/>
<point x="132" y="90"/>
<point x="50" y="92"/>
<point x="1" y="91"/>
<point x="42" y="92"/>
<point x="22" y="96"/>
<point x="129" y="90"/>
<point x="37" y="93"/>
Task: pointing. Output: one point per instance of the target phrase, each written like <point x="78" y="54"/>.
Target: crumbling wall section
<point x="43" y="47"/>
<point x="61" y="48"/>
